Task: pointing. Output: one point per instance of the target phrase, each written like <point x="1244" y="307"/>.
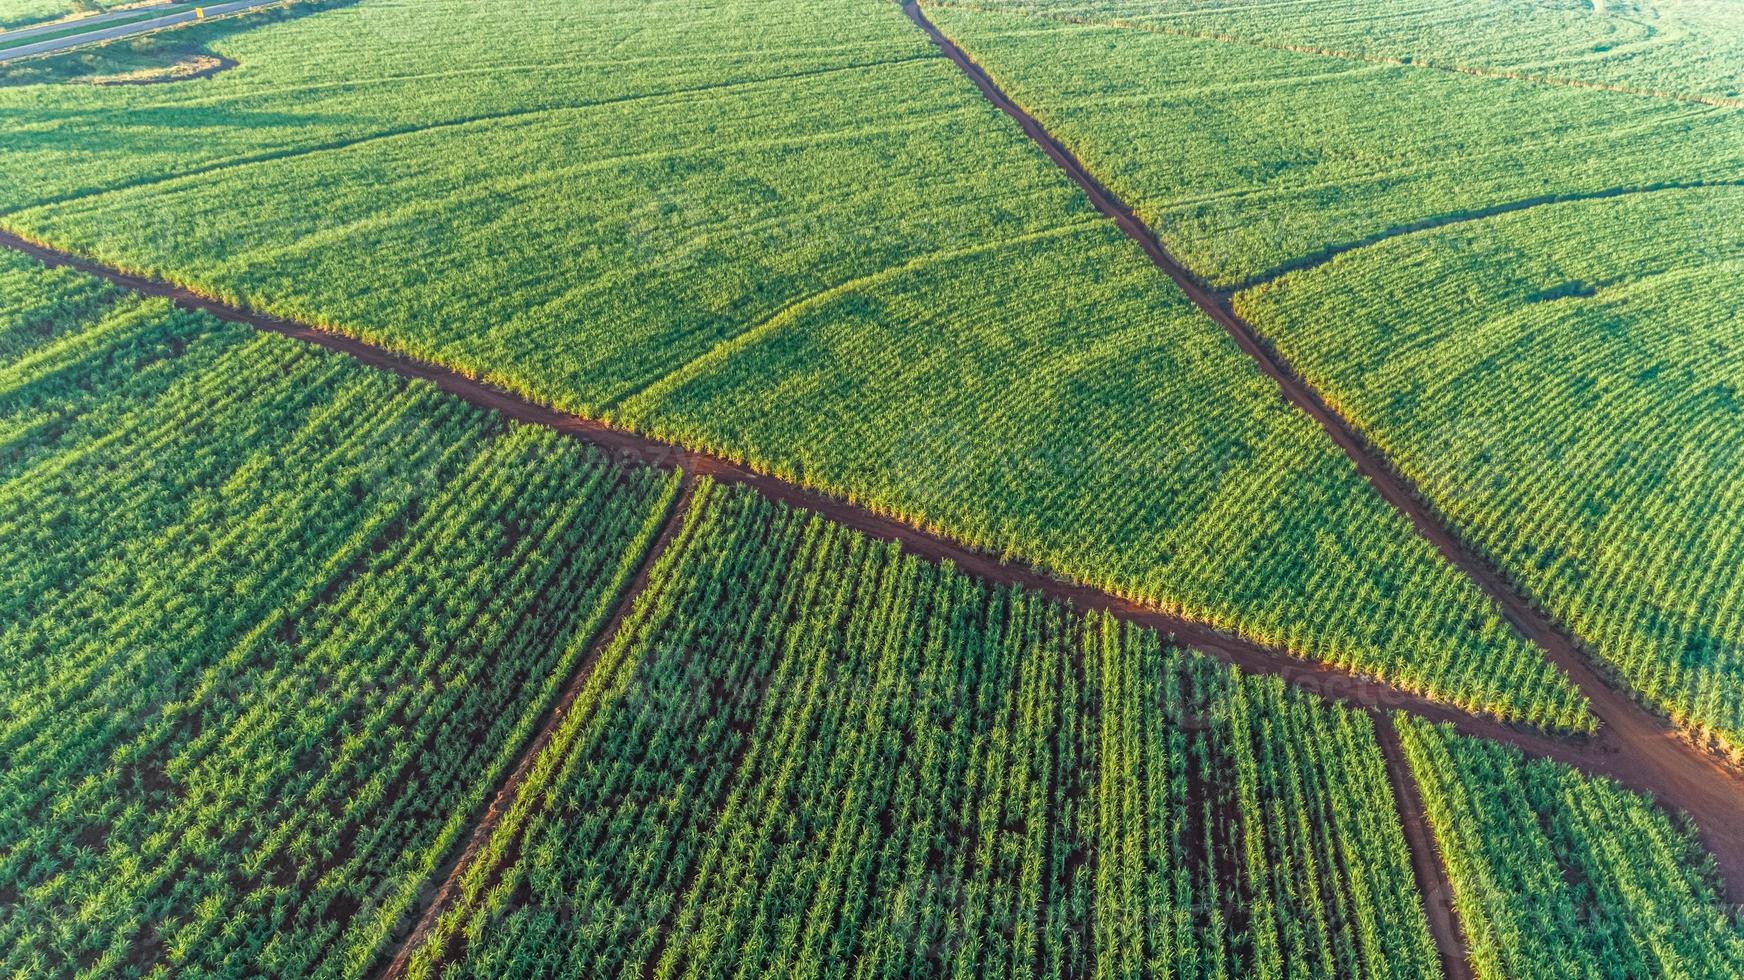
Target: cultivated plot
<point x="838" y="263"/>
<point x="807" y="753"/>
<point x="1672" y="48"/>
<point x="1542" y="338"/>
<point x="275" y="626"/>
<point x="1251" y="161"/>
<point x="1557" y="874"/>
<point x="1580" y="417"/>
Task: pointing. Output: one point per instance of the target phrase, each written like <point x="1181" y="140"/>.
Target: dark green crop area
<point x="1559" y="874"/>
<point x="805" y="750"/>
<point x="275" y="624"/>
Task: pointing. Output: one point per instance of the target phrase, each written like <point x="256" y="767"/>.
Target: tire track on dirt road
<point x="1638" y="748"/>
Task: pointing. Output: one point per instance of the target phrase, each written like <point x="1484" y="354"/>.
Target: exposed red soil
<point x="1712" y="794"/>
<point x="1426" y="862"/>
<point x="511" y="786"/>
<point x="1635" y="747"/>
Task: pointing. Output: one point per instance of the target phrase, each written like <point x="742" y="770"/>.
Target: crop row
<point x="1556" y="874"/>
<point x="806" y="753"/>
<point x="961" y="342"/>
<point x="275" y="625"/>
<point x="1577" y="417"/>
<point x="1675" y="49"/>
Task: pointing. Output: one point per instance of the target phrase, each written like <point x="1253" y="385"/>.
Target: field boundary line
<point x="1593" y="756"/>
<point x="1473" y="71"/>
<point x="676" y="510"/>
<point x="1434" y="886"/>
<point x="1637" y="742"/>
<point x="403" y="132"/>
<point x="634" y="401"/>
<point x="1452" y="219"/>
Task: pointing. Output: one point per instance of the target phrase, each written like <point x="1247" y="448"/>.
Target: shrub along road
<point x="101" y="32"/>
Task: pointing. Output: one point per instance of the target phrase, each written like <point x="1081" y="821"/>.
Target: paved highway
<point x="108" y="32"/>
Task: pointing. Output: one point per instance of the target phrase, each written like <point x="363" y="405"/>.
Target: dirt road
<point x="1634" y="747"/>
<point x="451" y="874"/>
<point x="1426" y="863"/>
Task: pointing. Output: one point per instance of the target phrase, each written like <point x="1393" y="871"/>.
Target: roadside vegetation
<point x="805" y="751"/>
<point x="1556" y="874"/>
<point x="275" y="625"/>
<point x="160" y="57"/>
<point x="26" y="13"/>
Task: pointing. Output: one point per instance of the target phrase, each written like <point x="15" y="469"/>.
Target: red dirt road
<point x="1720" y="798"/>
<point x="511" y="786"/>
<point x="1636" y="748"/>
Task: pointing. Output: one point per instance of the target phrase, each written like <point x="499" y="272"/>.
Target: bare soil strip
<point x="1426" y="863"/>
<point x="511" y="786"/>
<point x="1369" y="59"/>
<point x="1721" y="801"/>
<point x="1635" y="747"/>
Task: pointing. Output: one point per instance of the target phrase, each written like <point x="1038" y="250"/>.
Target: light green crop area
<point x="1525" y="294"/>
<point x="1672" y="47"/>
<point x="1249" y="161"/>
<point x="793" y="234"/>
<point x="1567" y="386"/>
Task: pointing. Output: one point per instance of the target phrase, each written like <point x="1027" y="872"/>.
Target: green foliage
<point x="809" y="754"/>
<point x="1248" y="161"/>
<point x="1556" y="874"/>
<point x="1541" y="336"/>
<point x="833" y="259"/>
<point x="1566" y="384"/>
<point x="24" y="13"/>
<point x="274" y="626"/>
<point x="1671" y="46"/>
<point x="148" y="56"/>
